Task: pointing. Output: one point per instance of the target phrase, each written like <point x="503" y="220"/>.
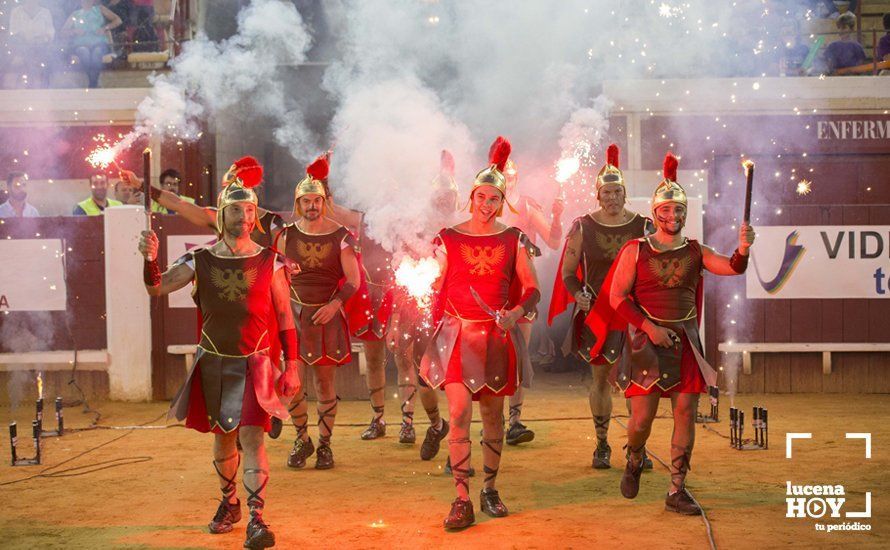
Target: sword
<point x="486" y="308"/>
<point x="584" y="292"/>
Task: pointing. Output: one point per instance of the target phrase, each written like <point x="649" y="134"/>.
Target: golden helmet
<point x="493" y="175"/>
<point x="238" y="183"/>
<point x="669" y="190"/>
<point x="610" y="173"/>
<point x="314" y="183"/>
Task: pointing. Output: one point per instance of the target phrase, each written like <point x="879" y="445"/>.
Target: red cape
<point x="358" y="307"/>
<point x="603" y="318"/>
<point x="560" y="299"/>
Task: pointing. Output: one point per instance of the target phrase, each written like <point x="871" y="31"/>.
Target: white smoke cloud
<point x="245" y="73"/>
<point x="528" y="70"/>
<point x="390" y="134"/>
<point x="411" y="78"/>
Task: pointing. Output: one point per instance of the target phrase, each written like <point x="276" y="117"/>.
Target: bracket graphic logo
<point x="824" y="501"/>
<point x="793" y="254"/>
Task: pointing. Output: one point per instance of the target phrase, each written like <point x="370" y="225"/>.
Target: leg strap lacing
<point x="300" y="421"/>
<point x="298" y="403"/>
<point x="601" y="423"/>
<point x="496" y="446"/>
<point x="408" y="416"/>
<point x="515" y="412"/>
<point x="378" y="409"/>
<point x="680" y="464"/>
<point x="229" y="489"/>
<point x="461" y="474"/>
<point x="323" y="415"/>
<point x="254" y="500"/>
<point x="635" y="453"/>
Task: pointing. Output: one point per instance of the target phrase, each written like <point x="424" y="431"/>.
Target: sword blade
<point x="485" y="307"/>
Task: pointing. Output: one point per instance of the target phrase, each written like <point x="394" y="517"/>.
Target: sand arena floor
<point x="155" y="488"/>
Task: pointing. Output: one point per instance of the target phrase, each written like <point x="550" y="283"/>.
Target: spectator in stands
<point x="17" y="205"/>
<point x="88" y="29"/>
<point x="170" y="181"/>
<point x="128" y="191"/>
<point x="845" y="52"/>
<point x="31" y="34"/>
<point x="145" y="37"/>
<point x="884" y="43"/>
<point x="828" y="9"/>
<point x="98" y="200"/>
<point x="121" y="36"/>
<point x="792" y="52"/>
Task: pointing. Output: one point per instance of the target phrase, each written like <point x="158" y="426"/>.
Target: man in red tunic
<point x="528" y="216"/>
<point x="591" y="246"/>
<point x="328" y="276"/>
<point x="477" y="353"/>
<point x="655" y="286"/>
<point x="231" y="389"/>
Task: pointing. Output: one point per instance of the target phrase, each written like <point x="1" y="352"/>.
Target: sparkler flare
<point x="103" y="155"/>
<point x="804" y="187"/>
<point x="40" y="385"/>
<point x="566" y="168"/>
<point x="417" y="278"/>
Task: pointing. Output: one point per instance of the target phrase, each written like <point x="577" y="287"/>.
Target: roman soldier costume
<point x="320" y="278"/>
<point x="467" y="345"/>
<point x="668" y="290"/>
<point x="600" y="244"/>
<point x="232" y="380"/>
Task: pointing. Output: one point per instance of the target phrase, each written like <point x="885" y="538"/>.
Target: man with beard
<point x="655" y="286"/>
<point x="528" y="216"/>
<point x="98" y="200"/>
<point x="477" y="353"/>
<point x="17" y="206"/>
<point x="231" y="389"/>
<point x="263" y="233"/>
<point x="329" y="275"/>
<point x="591" y="246"/>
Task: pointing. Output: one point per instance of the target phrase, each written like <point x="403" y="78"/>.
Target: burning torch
<point x="749" y="185"/>
<point x="146" y="186"/>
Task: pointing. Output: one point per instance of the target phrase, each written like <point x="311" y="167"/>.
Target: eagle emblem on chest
<point x="669" y="272"/>
<point x="610" y="244"/>
<point x="233" y="284"/>
<point x="482" y="259"/>
<point x="313" y="255"/>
